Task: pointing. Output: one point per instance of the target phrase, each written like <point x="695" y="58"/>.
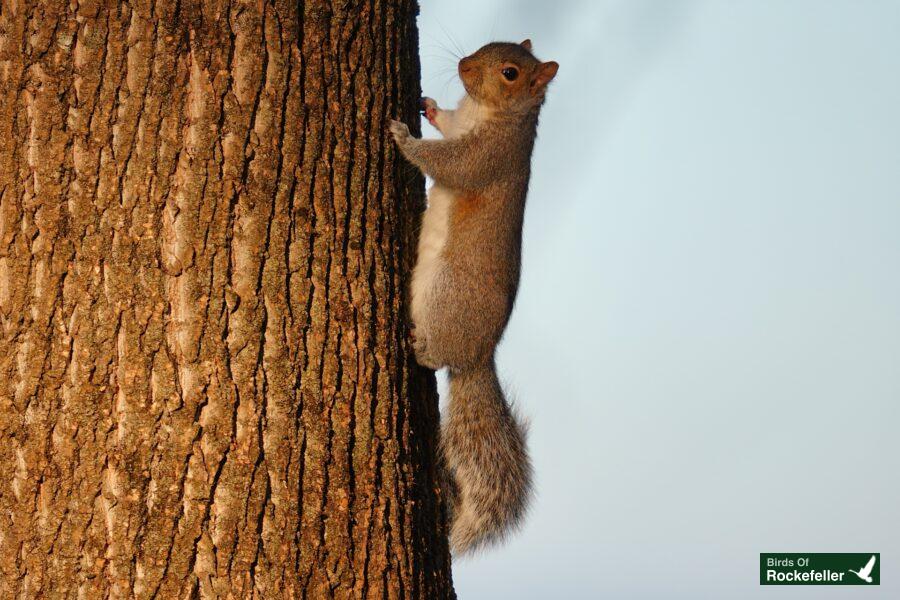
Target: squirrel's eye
<point x="510" y="73"/>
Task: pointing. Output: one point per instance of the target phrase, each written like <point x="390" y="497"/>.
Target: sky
<point x="707" y="335"/>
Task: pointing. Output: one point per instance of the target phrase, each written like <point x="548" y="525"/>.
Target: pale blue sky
<point x="707" y="335"/>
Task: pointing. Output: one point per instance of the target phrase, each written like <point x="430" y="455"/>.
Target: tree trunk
<point x="205" y="384"/>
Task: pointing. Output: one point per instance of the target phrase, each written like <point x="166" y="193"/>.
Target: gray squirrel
<point x="466" y="277"/>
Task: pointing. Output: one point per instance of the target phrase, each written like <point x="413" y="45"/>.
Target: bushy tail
<point x="486" y="462"/>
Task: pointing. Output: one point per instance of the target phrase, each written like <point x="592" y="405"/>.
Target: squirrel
<point x="466" y="278"/>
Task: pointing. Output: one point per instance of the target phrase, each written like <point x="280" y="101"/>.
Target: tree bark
<point x="205" y="232"/>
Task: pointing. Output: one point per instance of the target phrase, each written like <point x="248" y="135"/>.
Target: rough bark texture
<point x="205" y="385"/>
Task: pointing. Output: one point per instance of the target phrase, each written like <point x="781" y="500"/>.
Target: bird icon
<point x="866" y="572"/>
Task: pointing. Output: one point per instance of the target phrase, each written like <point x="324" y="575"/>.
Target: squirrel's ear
<point x="526" y="44"/>
<point x="543" y="74"/>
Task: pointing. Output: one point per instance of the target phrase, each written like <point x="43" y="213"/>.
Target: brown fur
<point x="472" y="294"/>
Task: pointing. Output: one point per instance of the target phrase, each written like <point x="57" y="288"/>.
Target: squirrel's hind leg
<point x="424" y="356"/>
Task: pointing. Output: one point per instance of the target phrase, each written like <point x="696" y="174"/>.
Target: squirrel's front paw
<point x="399" y="130"/>
<point x="430" y="110"/>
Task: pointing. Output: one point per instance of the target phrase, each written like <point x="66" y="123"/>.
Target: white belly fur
<point x="432" y="237"/>
<point x="436" y="219"/>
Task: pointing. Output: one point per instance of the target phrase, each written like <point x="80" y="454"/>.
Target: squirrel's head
<point x="506" y="76"/>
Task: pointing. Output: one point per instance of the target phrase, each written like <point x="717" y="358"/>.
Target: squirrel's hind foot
<point x="420" y="347"/>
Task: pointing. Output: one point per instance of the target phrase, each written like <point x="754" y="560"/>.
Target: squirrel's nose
<point x="465" y="65"/>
